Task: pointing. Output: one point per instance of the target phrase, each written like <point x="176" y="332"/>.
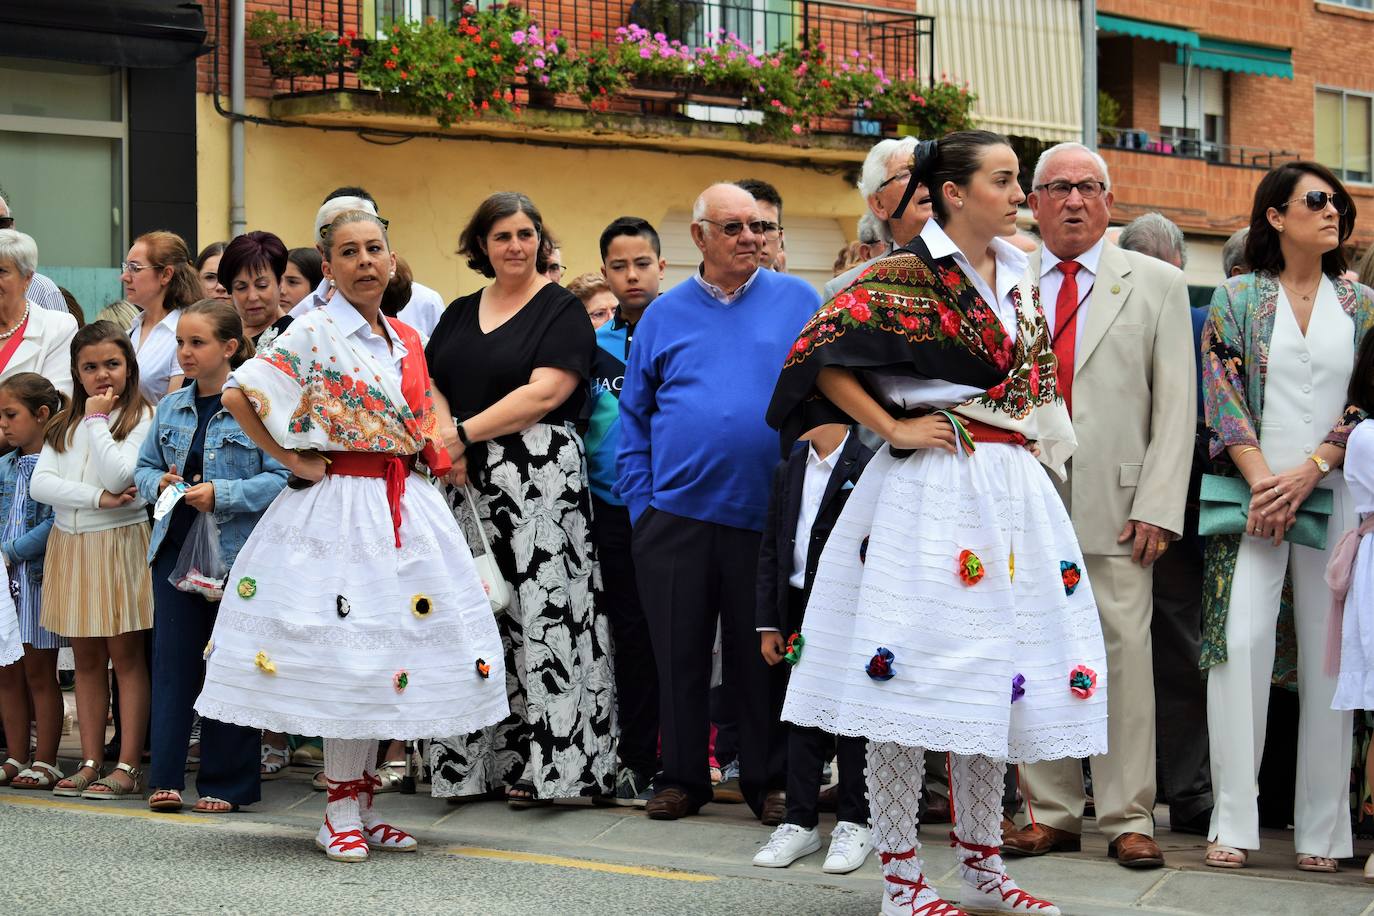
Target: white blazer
<point x="46" y="348"/>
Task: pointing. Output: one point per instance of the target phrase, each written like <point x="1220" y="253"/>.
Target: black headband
<point x="921" y="161"/>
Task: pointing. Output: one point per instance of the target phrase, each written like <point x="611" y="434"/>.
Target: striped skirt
<point x="97" y="583"/>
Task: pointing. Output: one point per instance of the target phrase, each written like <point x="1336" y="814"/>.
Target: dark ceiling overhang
<point x="115" y="33"/>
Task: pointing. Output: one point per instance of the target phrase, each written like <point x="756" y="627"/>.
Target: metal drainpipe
<point x="1088" y="27"/>
<point x="238" y="220"/>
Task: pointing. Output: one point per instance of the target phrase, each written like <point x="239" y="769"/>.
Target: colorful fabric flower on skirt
<point x="208" y="651"/>
<point x="420" y="606"/>
<point x="483" y="669"/>
<point x="1083" y="682"/>
<point x="264" y="663"/>
<point x="794" y="648"/>
<point x="248" y="587"/>
<point x="971" y="569"/>
<point x="1018" y="687"/>
<point x="341" y="606"/>
<point x="1011" y="565"/>
<point x="880" y="665"/>
<point x="1069" y="572"/>
<point x="863" y="550"/>
<point x="400" y="680"/>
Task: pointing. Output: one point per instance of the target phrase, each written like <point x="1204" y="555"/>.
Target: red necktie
<point x="1066" y="329"/>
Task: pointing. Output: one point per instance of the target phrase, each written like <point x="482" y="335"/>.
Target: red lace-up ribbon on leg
<point x="340" y="790"/>
<point x="996" y="880"/>
<point x="344" y="840"/>
<point x="936" y="907"/>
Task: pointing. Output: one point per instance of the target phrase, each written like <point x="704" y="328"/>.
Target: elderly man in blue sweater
<point x="694" y="465"/>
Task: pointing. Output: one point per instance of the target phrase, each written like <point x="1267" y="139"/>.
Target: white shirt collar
<point x="720" y="295"/>
<point x="1089" y="259"/>
<point x="351" y="323"/>
<point x="169" y="321"/>
<point x="1011" y="261"/>
<point x="829" y="461"/>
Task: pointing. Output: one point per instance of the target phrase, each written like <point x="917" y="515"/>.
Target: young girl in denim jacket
<point x="27" y="402"/>
<point x="195" y="442"/>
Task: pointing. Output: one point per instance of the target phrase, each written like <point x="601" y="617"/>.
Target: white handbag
<point x="497" y="588"/>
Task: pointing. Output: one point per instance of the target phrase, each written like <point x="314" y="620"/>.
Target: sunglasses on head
<point x="1317" y="200"/>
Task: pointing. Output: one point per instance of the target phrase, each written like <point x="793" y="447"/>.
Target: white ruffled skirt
<point x="889" y="578"/>
<point x="327" y="628"/>
<point x="11" y="641"/>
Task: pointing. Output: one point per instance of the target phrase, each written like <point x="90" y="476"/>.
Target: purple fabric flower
<point x="1018" y="687"/>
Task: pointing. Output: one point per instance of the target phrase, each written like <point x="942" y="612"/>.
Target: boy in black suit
<point x="809" y="490"/>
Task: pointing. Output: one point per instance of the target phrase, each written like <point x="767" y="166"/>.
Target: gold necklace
<point x="1293" y="289"/>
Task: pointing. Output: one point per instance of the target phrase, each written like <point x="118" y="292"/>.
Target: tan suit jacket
<point x="1134" y="401"/>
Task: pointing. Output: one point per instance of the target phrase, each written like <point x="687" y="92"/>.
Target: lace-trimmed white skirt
<point x="961" y="646"/>
<point x="327" y="628"/>
<point x="11" y="642"/>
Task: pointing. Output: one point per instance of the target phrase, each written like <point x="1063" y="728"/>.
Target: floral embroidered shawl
<point x="916" y="315"/>
<point x="314" y="389"/>
<point x="1235" y="365"/>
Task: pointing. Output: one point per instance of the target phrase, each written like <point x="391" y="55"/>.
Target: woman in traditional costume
<point x="950" y="609"/>
<point x="353" y="610"/>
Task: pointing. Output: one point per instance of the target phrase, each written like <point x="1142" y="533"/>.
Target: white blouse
<point x="157" y="356"/>
<point x="72" y="481"/>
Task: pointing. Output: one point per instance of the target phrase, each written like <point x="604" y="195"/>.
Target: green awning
<point x="1238" y="58"/>
<point x="1153" y="31"/>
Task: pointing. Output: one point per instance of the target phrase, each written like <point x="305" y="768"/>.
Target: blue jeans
<point x="228" y="753"/>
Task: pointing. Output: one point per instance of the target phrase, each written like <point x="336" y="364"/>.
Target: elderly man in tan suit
<point x="1123" y="335"/>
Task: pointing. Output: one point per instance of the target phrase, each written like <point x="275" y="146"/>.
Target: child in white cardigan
<point x="98" y="592"/>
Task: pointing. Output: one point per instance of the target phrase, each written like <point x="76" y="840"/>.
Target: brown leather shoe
<point x="1038" y="839"/>
<point x="670" y="804"/>
<point x="774" y="808"/>
<point x="1135" y="850"/>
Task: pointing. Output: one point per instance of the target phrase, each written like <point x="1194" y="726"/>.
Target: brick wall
<point x="1265" y="22"/>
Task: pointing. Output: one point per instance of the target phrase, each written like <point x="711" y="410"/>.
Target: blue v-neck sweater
<point x="693" y="438"/>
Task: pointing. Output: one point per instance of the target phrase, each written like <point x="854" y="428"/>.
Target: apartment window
<point x="62" y="151"/>
<point x="1192" y="109"/>
<point x="1356" y="4"/>
<point x="1343" y="133"/>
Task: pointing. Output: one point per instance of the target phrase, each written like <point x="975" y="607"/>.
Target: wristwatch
<point x="463" y="436"/>
<point x="1321" y="464"/>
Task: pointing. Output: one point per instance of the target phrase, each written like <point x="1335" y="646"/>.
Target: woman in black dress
<point x="512" y="362"/>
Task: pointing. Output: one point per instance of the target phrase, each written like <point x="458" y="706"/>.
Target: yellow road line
<point x="97" y="807"/>
<point x="583" y="864"/>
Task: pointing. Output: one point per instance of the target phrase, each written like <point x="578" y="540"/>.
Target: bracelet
<point x="463" y="436"/>
<point x="1247" y="450"/>
<point x="98" y="416"/>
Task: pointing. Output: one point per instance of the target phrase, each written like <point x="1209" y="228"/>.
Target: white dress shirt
<point x="352" y="325"/>
<point x="818" y="472"/>
<point x="1051" y="279"/>
<point x="43" y="292"/>
<point x="912" y="393"/>
<point x="313" y="301"/>
<point x="157" y="356"/>
<point x="423" y="311"/>
<point x="720" y="295"/>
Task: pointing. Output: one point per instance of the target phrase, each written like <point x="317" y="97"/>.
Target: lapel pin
<point x="1116" y="288"/>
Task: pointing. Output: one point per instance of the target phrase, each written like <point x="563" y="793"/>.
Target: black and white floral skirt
<point x="535" y="507"/>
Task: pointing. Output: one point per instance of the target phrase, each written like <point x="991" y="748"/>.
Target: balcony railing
<point x="1134" y="139"/>
<point x="899" y="40"/>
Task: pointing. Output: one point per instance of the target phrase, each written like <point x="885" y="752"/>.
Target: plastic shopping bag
<point x="200" y="567"/>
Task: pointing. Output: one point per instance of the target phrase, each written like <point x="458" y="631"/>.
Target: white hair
<point x="20" y="250"/>
<point x="1043" y="162"/>
<point x="875" y="163"/>
<point x="1155" y="235"/>
<point x="872" y="229"/>
<point x="699" y="208"/>
<point x="336" y="205"/>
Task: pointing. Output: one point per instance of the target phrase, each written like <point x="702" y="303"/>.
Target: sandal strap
<point x="134" y="772"/>
<point x="11" y="762"/>
<point x="31" y="772"/>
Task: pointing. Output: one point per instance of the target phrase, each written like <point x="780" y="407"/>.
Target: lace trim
<point x="380" y="729"/>
<point x="416" y="546"/>
<point x="1027" y="744"/>
<point x="342" y="637"/>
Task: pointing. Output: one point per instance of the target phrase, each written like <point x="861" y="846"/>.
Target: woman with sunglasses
<point x="1278" y="350"/>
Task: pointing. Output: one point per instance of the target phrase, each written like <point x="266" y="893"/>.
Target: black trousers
<point x="1184" y="767"/>
<point x="636" y="680"/>
<point x="689" y="571"/>
<point x="807" y="751"/>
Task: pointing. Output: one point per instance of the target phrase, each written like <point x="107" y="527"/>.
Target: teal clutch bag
<point x="1224" y="506"/>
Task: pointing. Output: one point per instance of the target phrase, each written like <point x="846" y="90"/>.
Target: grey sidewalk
<point x="721" y="841"/>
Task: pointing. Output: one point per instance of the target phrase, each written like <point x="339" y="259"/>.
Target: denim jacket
<point x="30" y="546"/>
<point x="246" y="479"/>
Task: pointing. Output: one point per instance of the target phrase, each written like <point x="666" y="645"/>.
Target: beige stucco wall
<point x="428" y="188"/>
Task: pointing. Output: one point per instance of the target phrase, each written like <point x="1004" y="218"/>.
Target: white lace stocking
<point x="895" y="774"/>
<point x="976" y="784"/>
<point x="344" y="762"/>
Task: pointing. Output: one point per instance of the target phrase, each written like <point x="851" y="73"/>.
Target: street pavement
<point x="69" y="856"/>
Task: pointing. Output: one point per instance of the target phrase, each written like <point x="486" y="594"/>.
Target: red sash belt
<point x="392" y="468"/>
<point x="983" y="432"/>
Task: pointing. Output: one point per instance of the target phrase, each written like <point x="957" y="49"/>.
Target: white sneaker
<point x="787" y="844"/>
<point x="850" y="844"/>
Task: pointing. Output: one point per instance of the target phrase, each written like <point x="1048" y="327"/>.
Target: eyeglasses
<point x="771" y="231"/>
<point x="132" y="267"/>
<point x="1317" y="200"/>
<point x="904" y="173"/>
<point x="6" y="222"/>
<point x="735" y="227"/>
<point x="386" y="224"/>
<point x="1060" y="190"/>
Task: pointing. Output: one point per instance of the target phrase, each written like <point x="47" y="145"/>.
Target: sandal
<point x="72" y="786"/>
<point x="208" y="804"/>
<point x="6" y="777"/>
<point x="110" y="787"/>
<point x="389" y="776"/>
<point x="165" y="800"/>
<point x="319" y="782"/>
<point x="269" y="767"/>
<point x="38" y="775"/>
<point x="1324" y="864"/>
<point x="1219" y="855"/>
<point x="526" y="797"/>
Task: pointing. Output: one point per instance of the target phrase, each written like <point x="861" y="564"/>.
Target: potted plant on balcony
<point x="291" y="48"/>
<point x="924" y="111"/>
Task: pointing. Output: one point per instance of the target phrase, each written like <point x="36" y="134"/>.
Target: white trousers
<point x="1238" y="696"/>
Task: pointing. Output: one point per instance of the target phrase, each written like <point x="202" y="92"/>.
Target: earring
<point x="392" y="275"/>
<point x="1280" y="228"/>
<point x="331" y="282"/>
